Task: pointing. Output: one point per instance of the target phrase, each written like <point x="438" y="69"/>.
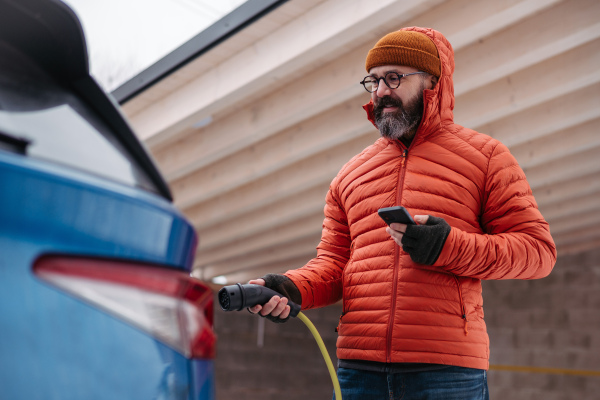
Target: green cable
<point x="334" y="379"/>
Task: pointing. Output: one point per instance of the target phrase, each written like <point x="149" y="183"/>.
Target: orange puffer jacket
<point x="395" y="310"/>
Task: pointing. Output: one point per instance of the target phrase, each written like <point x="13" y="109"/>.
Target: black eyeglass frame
<point x="376" y="83"/>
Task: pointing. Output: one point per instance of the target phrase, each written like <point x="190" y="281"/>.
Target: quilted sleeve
<point x="517" y="243"/>
<point x="320" y="280"/>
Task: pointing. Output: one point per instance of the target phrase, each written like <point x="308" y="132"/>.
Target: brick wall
<point x="549" y="323"/>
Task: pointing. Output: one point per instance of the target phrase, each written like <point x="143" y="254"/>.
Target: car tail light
<point x="169" y="305"/>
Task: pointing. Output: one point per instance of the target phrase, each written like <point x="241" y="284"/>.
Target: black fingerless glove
<point x="424" y="243"/>
<point x="283" y="285"/>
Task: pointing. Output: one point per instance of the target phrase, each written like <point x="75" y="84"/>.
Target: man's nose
<point x="383" y="89"/>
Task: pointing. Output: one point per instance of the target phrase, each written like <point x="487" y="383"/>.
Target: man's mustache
<point x="384" y="102"/>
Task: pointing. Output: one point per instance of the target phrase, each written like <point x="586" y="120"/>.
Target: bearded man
<point x="412" y="322"/>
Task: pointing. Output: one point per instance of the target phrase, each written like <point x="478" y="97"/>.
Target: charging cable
<point x="315" y="333"/>
<point x="238" y="296"/>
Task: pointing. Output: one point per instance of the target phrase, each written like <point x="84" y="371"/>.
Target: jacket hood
<point x="439" y="102"/>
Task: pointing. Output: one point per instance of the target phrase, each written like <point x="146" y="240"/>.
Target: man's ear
<point x="434" y="81"/>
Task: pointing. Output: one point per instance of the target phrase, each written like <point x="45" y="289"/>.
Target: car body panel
<point x="53" y="345"/>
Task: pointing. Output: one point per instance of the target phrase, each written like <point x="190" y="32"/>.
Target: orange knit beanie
<point x="413" y="49"/>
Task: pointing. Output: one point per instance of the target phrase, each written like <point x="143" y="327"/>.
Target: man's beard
<point x="402" y="123"/>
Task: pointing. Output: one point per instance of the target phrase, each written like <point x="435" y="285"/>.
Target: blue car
<point x="96" y="297"/>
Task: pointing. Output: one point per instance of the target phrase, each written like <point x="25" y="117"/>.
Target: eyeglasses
<point x="391" y="79"/>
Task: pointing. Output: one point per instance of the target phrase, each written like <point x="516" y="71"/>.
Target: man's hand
<point x="276" y="308"/>
<point x="396" y="230"/>
<point x="423" y="242"/>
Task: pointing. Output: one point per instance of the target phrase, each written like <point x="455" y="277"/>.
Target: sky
<point x="124" y="37"/>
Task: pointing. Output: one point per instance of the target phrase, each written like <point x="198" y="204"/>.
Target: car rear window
<point x="52" y="123"/>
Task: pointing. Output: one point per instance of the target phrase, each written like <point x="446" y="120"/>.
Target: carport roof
<point x="249" y="160"/>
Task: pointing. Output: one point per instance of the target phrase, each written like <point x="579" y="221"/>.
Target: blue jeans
<point x="452" y="383"/>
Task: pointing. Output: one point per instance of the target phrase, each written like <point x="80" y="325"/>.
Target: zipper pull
<point x="404" y="155"/>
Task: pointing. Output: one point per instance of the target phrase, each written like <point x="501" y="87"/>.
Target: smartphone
<point x="395" y="214"/>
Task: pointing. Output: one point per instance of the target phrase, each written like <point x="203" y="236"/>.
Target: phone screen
<point x="395" y="214"/>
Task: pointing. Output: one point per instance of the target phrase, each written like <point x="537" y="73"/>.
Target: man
<point x="412" y="321"/>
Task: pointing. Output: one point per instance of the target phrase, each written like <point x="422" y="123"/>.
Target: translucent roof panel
<point x="125" y="37"/>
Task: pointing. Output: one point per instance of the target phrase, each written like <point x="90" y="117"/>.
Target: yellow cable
<point x="334" y="379"/>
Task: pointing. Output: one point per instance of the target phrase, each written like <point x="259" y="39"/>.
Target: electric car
<point x="96" y="297"/>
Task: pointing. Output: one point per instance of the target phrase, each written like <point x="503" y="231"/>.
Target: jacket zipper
<point x="396" y="259"/>
<point x="462" y="304"/>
